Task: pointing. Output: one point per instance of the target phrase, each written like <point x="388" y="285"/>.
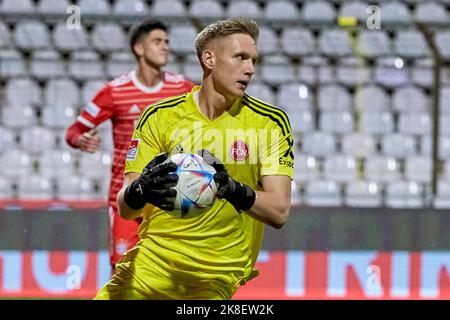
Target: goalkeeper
<point x="209" y="256"/>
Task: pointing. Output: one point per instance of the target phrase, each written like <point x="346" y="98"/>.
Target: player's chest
<point x="235" y="143"/>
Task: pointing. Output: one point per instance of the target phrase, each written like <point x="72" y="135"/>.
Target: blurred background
<point x="366" y="85"/>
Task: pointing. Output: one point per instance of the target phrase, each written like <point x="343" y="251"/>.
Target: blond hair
<point x="224" y="28"/>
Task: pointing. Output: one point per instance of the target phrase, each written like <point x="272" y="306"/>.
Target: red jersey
<point x="122" y="101"/>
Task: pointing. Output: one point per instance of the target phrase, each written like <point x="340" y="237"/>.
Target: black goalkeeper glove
<point x="154" y="185"/>
<point x="240" y="195"/>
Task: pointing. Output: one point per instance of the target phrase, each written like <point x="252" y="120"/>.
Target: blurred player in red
<point x="122" y="101"/>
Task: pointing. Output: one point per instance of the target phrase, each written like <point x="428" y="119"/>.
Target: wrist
<point x="243" y="197"/>
<point x="134" y="197"/>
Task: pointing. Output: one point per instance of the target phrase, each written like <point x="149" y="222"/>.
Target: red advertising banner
<point x="284" y="275"/>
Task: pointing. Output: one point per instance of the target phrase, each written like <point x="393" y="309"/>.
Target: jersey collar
<point x="193" y="97"/>
<point x="143" y="87"/>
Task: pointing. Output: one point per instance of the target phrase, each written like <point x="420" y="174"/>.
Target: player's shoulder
<point x="166" y="104"/>
<point x="259" y="104"/>
<point x="164" y="107"/>
<point x="265" y="111"/>
<point x="172" y="77"/>
<point x="121" y="80"/>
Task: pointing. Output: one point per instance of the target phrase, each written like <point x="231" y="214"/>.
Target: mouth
<point x="243" y="83"/>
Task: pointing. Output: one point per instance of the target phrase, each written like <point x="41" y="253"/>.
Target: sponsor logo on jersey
<point x="92" y="109"/>
<point x="239" y="150"/>
<point x="134" y="109"/>
<point x="133" y="149"/>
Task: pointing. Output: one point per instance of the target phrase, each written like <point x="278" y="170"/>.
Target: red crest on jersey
<point x="239" y="150"/>
<point x="133" y="149"/>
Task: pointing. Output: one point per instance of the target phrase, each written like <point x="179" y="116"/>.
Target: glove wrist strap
<point x="133" y="196"/>
<point x="243" y="198"/>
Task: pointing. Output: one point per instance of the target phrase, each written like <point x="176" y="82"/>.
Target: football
<point x="196" y="188"/>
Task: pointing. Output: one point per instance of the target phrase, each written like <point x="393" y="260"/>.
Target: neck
<point x="212" y="103"/>
<point x="148" y="75"/>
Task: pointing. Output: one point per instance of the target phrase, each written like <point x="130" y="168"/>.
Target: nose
<point x="249" y="68"/>
<point x="165" y="46"/>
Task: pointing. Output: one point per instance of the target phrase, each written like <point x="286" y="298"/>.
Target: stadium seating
<point x="246" y="8"/>
<point x="377" y="123"/>
<point x="57" y="164"/>
<point x="17" y="6"/>
<point x="7" y="139"/>
<point x="85" y="65"/>
<point x="109" y="37"/>
<point x="211" y="9"/>
<point x="340" y="168"/>
<point x="95" y="166"/>
<point x="119" y="63"/>
<point x="192" y="69"/>
<point x="58" y="117"/>
<point x="18" y="116"/>
<point x="46" y="64"/>
<point x="6" y="190"/>
<point x="16" y="163"/>
<point x="410" y="44"/>
<point x="53" y="6"/>
<point x="398" y="145"/>
<point x="61" y="92"/>
<point x="357" y="9"/>
<point x="306" y="169"/>
<point x="35" y="187"/>
<point x="359" y="101"/>
<point x="431" y="12"/>
<point x="132" y="8"/>
<point x="281" y="10"/>
<point x="323" y="193"/>
<point x="94" y="7"/>
<point x="37" y="139"/>
<point x="403" y="194"/>
<point x="68" y="40"/>
<point x="182" y="37"/>
<point x="12" y="64"/>
<point x="396" y="12"/>
<point x="76" y="189"/>
<point x="374" y="43"/>
<point x="382" y="169"/>
<point x="15" y="88"/>
<point x="362" y="193"/>
<point x="318" y="11"/>
<point x="442" y="200"/>
<point x="31" y="35"/>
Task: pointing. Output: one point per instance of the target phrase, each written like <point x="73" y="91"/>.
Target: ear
<point x="139" y="48"/>
<point x="208" y="59"/>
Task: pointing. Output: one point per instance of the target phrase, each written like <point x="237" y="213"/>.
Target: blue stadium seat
<point x="363" y="193"/>
<point x="246" y="8"/>
<point x="210" y="9"/>
<point x="169" y="8"/>
<point x="94" y="7"/>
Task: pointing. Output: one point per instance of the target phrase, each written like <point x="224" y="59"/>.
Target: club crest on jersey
<point x="133" y="149"/>
<point x="239" y="150"/>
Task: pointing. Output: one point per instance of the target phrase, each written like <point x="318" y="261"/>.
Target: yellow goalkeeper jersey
<point x="253" y="139"/>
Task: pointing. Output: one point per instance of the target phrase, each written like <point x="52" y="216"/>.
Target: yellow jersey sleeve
<point x="277" y="154"/>
<point x="145" y="143"/>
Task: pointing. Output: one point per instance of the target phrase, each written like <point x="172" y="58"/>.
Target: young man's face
<point x="154" y="48"/>
<point x="234" y="66"/>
